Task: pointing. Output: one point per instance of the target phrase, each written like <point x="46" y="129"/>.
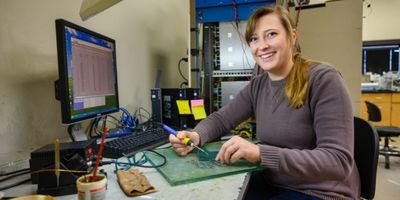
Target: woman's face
<point x="271" y="46"/>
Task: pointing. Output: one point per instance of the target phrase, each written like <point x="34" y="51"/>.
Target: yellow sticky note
<point x="199" y="112"/>
<point x="183" y="107"/>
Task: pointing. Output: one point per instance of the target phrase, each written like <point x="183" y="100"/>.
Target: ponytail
<point x="297" y="83"/>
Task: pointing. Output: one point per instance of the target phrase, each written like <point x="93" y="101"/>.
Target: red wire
<point x="235" y="10"/>
<point x="99" y="154"/>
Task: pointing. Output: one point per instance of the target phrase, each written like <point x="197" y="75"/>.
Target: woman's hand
<point x="177" y="142"/>
<point x="237" y="148"/>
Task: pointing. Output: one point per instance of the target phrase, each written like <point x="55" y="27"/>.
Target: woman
<point x="304" y="119"/>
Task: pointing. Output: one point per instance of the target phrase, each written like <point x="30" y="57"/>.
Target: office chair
<point x="374" y="115"/>
<point x="366" y="149"/>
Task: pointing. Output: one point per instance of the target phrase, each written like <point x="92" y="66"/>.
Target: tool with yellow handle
<point x="185" y="140"/>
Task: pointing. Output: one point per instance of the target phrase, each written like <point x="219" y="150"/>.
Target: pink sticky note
<point x="197" y="102"/>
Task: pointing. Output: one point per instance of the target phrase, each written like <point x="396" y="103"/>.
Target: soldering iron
<point x="185" y="140"/>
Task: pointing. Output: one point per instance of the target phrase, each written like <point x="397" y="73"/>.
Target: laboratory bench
<point x="225" y="187"/>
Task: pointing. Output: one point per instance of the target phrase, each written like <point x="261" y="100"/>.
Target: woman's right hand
<point x="179" y="146"/>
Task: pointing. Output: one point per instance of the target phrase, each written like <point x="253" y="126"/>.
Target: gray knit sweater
<point x="309" y="149"/>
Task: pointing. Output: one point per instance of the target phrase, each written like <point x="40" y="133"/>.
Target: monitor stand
<point x="77" y="132"/>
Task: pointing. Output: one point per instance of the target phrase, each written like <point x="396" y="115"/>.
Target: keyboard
<point x="138" y="141"/>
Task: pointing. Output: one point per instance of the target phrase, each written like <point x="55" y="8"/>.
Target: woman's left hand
<point x="237" y="148"/>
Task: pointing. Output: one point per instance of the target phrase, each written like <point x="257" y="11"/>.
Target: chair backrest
<point x="374" y="113"/>
<point x="366" y="151"/>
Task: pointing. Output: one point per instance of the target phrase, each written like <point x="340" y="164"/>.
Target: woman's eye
<point x="253" y="39"/>
<point x="271" y="34"/>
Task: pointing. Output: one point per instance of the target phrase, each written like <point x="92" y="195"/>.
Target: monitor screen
<point x="87" y="85"/>
<point x="379" y="58"/>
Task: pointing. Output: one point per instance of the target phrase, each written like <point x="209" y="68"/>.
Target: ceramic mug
<point x="88" y="190"/>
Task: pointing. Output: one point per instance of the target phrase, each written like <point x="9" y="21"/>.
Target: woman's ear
<point x="296" y="45"/>
<point x="294" y="36"/>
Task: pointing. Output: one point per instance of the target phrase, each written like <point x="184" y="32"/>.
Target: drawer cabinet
<point x="388" y="103"/>
<point x="396" y="109"/>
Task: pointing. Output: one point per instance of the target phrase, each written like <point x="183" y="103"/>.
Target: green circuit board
<point x="197" y="166"/>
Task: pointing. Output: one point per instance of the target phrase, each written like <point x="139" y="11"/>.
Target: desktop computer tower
<point x="170" y="112"/>
<point x="165" y="109"/>
<point x="156" y="105"/>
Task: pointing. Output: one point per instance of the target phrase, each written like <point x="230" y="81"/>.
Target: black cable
<point x="182" y="84"/>
<point x="151" y="123"/>
<point x="179" y="68"/>
<point x="14" y="184"/>
<point x="89" y="128"/>
<point x="22" y="172"/>
<point x="10" y="173"/>
<point x="105" y="122"/>
<point x="138" y="115"/>
<point x="133" y="164"/>
<point x="94" y="128"/>
<point x="14" y="175"/>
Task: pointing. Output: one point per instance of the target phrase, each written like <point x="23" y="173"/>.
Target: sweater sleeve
<point x="332" y="117"/>
<point x="222" y="121"/>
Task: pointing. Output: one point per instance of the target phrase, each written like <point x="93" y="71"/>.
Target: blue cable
<point x="139" y="163"/>
<point x="127" y="120"/>
<point x="131" y="162"/>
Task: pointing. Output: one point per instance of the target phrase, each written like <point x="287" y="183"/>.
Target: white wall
<point x="380" y="21"/>
<point x="333" y="34"/>
<point x="150" y="35"/>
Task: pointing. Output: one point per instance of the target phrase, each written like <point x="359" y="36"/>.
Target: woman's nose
<point x="262" y="44"/>
<point x="266" y="43"/>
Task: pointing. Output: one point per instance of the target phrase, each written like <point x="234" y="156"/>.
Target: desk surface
<point x="227" y="187"/>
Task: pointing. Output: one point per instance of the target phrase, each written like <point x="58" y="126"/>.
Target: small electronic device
<point x="87" y="86"/>
<point x="73" y="156"/>
<point x="165" y="109"/>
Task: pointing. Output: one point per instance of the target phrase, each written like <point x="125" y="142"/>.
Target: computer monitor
<point x="380" y="56"/>
<point x="87" y="86"/>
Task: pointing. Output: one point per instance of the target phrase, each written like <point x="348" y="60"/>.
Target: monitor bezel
<point x="62" y="86"/>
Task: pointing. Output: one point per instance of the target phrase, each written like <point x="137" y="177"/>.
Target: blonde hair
<point x="297" y="80"/>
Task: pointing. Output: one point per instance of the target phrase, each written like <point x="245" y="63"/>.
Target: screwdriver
<point x="185" y="140"/>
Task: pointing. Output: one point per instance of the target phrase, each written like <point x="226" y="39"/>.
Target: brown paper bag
<point x="134" y="183"/>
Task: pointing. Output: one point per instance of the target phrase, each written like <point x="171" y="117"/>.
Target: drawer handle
<point x="378" y="97"/>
